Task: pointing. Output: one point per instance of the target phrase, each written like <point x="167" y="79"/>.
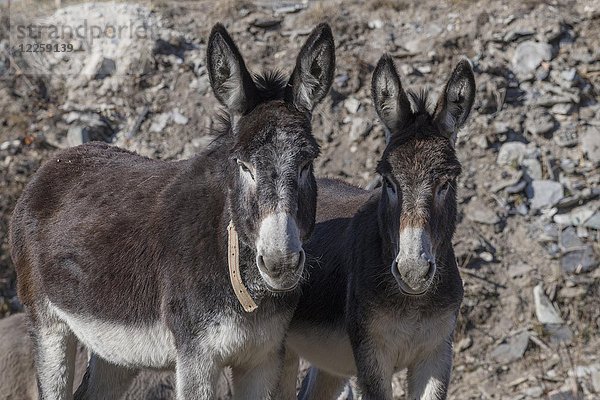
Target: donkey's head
<point x="419" y="170"/>
<point x="270" y="174"/>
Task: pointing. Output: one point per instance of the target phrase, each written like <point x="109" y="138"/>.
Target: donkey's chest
<point x="399" y="341"/>
<point x="245" y="341"/>
<point x="405" y="340"/>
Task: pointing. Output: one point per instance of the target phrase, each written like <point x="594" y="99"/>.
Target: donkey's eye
<point x="443" y="188"/>
<point x="305" y="169"/>
<point x="389" y="185"/>
<point x="244" y="166"/>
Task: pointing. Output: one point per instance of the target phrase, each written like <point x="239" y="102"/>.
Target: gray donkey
<point x="384" y="289"/>
<point x="130" y="255"/>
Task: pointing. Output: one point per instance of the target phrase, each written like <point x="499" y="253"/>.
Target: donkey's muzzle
<point x="282" y="272"/>
<point x="280" y="257"/>
<point x="414" y="266"/>
<point x="414" y="277"/>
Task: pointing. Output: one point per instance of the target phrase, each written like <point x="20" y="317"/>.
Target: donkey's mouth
<point x="281" y="290"/>
<point x="281" y="273"/>
<point x="407" y="289"/>
<point x="282" y="282"/>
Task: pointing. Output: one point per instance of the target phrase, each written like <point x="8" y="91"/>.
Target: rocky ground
<point x="527" y="239"/>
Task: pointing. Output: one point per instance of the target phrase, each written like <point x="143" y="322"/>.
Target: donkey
<point x="384" y="289"/>
<point x="129" y="255"/>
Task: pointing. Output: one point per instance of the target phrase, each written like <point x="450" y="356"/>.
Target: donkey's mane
<point x="271" y="84"/>
<point x="422" y="115"/>
<point x="420" y="102"/>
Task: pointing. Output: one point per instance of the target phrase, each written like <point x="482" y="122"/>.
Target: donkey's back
<point x="338" y="199"/>
<point x="80" y="223"/>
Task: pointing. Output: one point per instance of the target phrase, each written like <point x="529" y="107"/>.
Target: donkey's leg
<point x="55" y="348"/>
<point x="428" y="378"/>
<point x="258" y="381"/>
<point x="104" y="380"/>
<point x="197" y="373"/>
<point x="319" y="385"/>
<point x="374" y="366"/>
<point x="286" y="388"/>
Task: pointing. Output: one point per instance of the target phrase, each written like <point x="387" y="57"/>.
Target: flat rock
<point x="511" y="153"/>
<point x="579" y="261"/>
<point x="544" y="193"/>
<point x="539" y="122"/>
<point x="415" y="45"/>
<point x="359" y="129"/>
<point x="352" y="105"/>
<point x="77" y="135"/>
<point x="569" y="240"/>
<point x="107" y="67"/>
<point x="576" y="217"/>
<point x="535" y="392"/>
<point x="559" y="333"/>
<point x="529" y="55"/>
<point x="267" y="23"/>
<point x="179" y="118"/>
<point x="476" y="211"/>
<point x="464" y="344"/>
<point x="563" y="108"/>
<point x="566" y="137"/>
<point x="547" y="233"/>
<point x="508" y="177"/>
<point x="544" y="310"/>
<point x="561" y="395"/>
<point x="160" y="122"/>
<point x="512" y="350"/>
<point x="596" y="379"/>
<point x="593" y="222"/>
<point x="590" y="143"/>
<point x="532" y="168"/>
<point x="375" y="24"/>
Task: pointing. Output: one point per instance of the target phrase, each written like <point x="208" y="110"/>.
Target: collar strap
<point x="233" y="260"/>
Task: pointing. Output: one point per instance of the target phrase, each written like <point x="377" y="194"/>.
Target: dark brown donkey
<point x="384" y="289"/>
<point x="130" y="255"/>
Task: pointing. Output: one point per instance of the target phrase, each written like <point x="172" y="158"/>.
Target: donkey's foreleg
<point x="374" y="365"/>
<point x="286" y="387"/>
<point x="55" y="348"/>
<point x="197" y="374"/>
<point x="104" y="380"/>
<point x="428" y="378"/>
<point x="258" y="381"/>
<point x="319" y="385"/>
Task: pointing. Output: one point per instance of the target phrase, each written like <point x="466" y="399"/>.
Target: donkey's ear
<point x="313" y="74"/>
<point x="455" y="102"/>
<point x="390" y="100"/>
<point x="230" y="80"/>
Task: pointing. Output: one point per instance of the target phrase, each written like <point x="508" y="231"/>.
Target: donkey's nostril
<point x="430" y="264"/>
<point x="301" y="259"/>
<point x="431" y="270"/>
<point x="260" y="261"/>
